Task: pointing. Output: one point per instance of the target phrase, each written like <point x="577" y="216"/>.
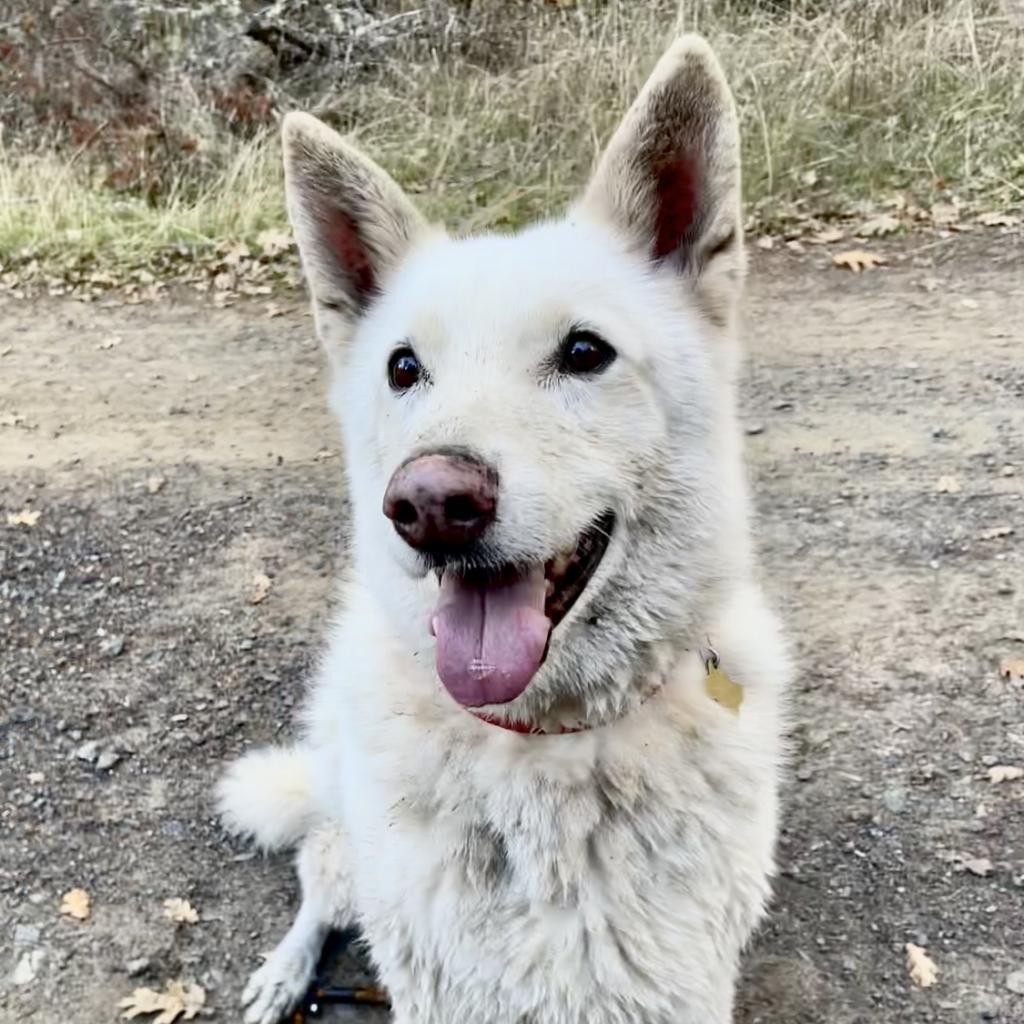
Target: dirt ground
<point x="174" y="451"/>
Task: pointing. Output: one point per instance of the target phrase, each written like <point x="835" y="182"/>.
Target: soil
<point x="175" y="451"/>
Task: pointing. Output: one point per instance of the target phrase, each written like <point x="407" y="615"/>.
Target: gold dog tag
<point x="720" y="688"/>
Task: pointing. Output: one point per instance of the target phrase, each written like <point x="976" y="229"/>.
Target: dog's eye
<point x="584" y="352"/>
<point x="404" y="369"/>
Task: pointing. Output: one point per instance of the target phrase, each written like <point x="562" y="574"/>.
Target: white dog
<point x="539" y="764"/>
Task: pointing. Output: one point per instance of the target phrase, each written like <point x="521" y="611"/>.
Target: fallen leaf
<point x="273" y="309"/>
<point x="948" y="485"/>
<point x="945" y="214"/>
<point x="155" y="483"/>
<point x="827" y="237"/>
<point x="884" y="224"/>
<point x="997" y="219"/>
<point x="76" y="903"/>
<point x="259" y="588"/>
<point x="273" y="243"/>
<point x="237" y="253"/>
<point x="1005" y="773"/>
<point x="26" y="517"/>
<point x="920" y="966"/>
<point x="178" y="1000"/>
<point x="858" y="260"/>
<point x="180" y="911"/>
<point x="1012" y="670"/>
<point x="980" y="866"/>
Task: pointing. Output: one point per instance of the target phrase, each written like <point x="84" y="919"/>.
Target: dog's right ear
<point x="352" y="222"/>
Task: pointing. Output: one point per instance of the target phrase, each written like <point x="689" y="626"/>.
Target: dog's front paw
<point x="278" y="985"/>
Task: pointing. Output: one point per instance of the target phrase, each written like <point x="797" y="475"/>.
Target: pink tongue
<point x="491" y="637"/>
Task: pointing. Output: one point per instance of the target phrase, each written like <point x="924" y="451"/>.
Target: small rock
<point x="107" y="759"/>
<point x="754" y="428"/>
<point x="804" y="773"/>
<point x="28" y="967"/>
<point x="137" y="966"/>
<point x="88" y="751"/>
<point x="25" y="935"/>
<point x="1015" y="982"/>
<point x="782" y="406"/>
<point x="895" y="800"/>
<point x="980" y="866"/>
<point x="111" y="646"/>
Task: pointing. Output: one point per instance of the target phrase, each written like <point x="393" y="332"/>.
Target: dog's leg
<point x="281" y="982"/>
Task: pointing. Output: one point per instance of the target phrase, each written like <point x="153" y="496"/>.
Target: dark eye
<point x="584" y="352"/>
<point x="404" y="369"/>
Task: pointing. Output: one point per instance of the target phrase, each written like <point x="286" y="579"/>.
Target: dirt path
<point x="174" y="451"/>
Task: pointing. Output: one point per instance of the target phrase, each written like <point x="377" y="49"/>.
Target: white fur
<point x="611" y="876"/>
<point x="267" y="796"/>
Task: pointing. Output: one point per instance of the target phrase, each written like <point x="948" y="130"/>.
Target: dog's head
<point x="538" y="427"/>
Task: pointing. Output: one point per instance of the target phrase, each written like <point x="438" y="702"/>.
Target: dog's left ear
<point x="669" y="180"/>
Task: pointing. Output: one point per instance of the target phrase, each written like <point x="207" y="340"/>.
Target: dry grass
<point x="841" y="103"/>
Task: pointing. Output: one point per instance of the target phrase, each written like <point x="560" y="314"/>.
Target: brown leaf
<point x="180" y="911"/>
<point x="858" y="260"/>
<point x="236" y="254"/>
<point x="997" y="219"/>
<point x="827" y="236"/>
<point x="1012" y="670"/>
<point x="259" y="588"/>
<point x="26" y="517"/>
<point x="944" y="215"/>
<point x="884" y="224"/>
<point x="76" y="903"/>
<point x="1005" y="773"/>
<point x="178" y="1000"/>
<point x="921" y="966"/>
<point x="273" y="243"/>
<point x="948" y="485"/>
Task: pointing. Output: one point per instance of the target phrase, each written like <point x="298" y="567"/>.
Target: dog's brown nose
<point x="442" y="501"/>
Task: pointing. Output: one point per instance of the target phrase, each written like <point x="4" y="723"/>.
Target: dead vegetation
<point x="138" y="141"/>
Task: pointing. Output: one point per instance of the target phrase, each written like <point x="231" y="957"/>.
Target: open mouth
<point x="493" y="627"/>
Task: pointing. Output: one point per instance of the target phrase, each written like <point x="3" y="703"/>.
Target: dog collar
<point x="719" y="687"/>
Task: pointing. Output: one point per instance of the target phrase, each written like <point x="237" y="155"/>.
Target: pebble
<point x="107" y="759"/>
<point x="754" y="428"/>
<point x="1015" y="982"/>
<point x="137" y="966"/>
<point x="25" y="935"/>
<point x="895" y="800"/>
<point x="28" y="967"/>
<point x="111" y="647"/>
<point x="88" y="751"/>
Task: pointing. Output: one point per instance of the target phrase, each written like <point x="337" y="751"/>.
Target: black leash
<point x="320" y="995"/>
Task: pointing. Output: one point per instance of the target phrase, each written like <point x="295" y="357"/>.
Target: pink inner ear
<point x="677" y="193"/>
<point x="341" y="239"/>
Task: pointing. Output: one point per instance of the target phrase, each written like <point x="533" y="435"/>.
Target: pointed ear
<point x="352" y="222"/>
<point x="669" y="180"/>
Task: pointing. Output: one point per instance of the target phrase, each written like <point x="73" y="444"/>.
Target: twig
<point x="274" y="36"/>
